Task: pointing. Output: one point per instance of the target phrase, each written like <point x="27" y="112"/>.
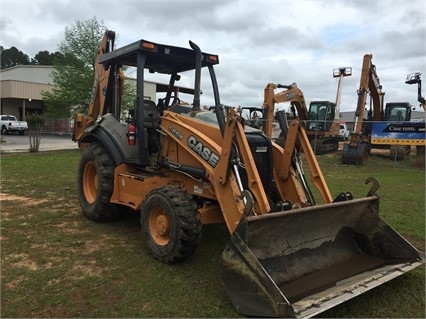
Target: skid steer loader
<point x="182" y="168"/>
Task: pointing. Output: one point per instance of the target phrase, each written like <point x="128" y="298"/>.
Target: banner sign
<point x="401" y="133"/>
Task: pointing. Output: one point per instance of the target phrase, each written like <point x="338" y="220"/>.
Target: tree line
<point x="13" y="56"/>
<point x="74" y="65"/>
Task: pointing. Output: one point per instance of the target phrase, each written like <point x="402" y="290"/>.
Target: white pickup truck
<point x="10" y="124"/>
<point x="344" y="132"/>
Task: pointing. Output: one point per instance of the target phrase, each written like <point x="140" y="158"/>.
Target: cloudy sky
<point x="258" y="42"/>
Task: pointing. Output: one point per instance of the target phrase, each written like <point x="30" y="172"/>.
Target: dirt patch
<point x="22" y="261"/>
<point x="82" y="271"/>
<point x="24" y="201"/>
<point x="70" y="227"/>
<point x="13" y="283"/>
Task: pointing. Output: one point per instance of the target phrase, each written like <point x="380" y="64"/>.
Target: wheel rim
<point x="90" y="182"/>
<point x="159" y="226"/>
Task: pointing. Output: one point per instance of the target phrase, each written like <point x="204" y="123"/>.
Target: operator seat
<point x="151" y="122"/>
<point x="151" y="115"/>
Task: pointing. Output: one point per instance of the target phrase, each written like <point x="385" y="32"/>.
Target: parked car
<point x="343" y="132"/>
<point x="10" y="124"/>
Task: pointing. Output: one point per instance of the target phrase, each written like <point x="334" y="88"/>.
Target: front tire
<point x="95" y="184"/>
<point x="170" y="224"/>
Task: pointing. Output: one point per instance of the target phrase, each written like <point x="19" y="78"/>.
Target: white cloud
<point x="257" y="41"/>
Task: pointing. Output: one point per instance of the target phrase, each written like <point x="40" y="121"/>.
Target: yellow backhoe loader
<point x="183" y="168"/>
<point x="321" y="119"/>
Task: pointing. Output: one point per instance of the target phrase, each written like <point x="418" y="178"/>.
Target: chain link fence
<point x="406" y="141"/>
<point x="58" y="127"/>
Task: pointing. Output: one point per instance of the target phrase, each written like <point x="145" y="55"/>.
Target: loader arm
<point x="219" y="162"/>
<point x="296" y="139"/>
<point x="101" y="98"/>
<point x="292" y="94"/>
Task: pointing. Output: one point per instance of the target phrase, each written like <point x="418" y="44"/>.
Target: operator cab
<point x="321" y="115"/>
<point x="164" y="61"/>
<point x="398" y="112"/>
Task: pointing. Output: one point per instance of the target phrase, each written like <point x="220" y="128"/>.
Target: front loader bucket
<point x="302" y="262"/>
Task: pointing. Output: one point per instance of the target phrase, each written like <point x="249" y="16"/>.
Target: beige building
<point x="21" y="89"/>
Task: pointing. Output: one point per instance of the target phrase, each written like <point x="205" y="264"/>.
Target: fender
<point x="96" y="133"/>
<point x="112" y="135"/>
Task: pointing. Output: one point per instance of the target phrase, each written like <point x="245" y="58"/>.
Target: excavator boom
<point x="357" y="150"/>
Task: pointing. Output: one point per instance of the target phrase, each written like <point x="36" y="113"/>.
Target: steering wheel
<point x="161" y="105"/>
<point x="175" y="100"/>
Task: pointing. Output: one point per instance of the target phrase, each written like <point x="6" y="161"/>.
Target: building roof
<point x="416" y="116"/>
<point x="28" y="73"/>
<point x="25" y="81"/>
<point x="28" y="81"/>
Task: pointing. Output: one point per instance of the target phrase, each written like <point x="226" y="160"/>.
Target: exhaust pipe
<point x="197" y="85"/>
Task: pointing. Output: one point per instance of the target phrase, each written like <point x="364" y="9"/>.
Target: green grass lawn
<point x="56" y="263"/>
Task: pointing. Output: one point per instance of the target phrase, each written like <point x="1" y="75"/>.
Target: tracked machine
<point x="323" y="124"/>
<point x="357" y="150"/>
<point x="183" y="168"/>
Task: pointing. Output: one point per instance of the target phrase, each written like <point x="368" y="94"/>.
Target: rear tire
<point x="170" y="224"/>
<point x="95" y="184"/>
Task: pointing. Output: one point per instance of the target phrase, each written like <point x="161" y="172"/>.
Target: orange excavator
<point x="358" y="149"/>
<point x="182" y="167"/>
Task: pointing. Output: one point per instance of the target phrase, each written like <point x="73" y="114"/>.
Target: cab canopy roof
<point x="156" y="57"/>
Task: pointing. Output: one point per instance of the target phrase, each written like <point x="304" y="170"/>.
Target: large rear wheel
<point x="170" y="224"/>
<point x="95" y="184"/>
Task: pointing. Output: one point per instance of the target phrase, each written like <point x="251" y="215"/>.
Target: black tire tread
<point x="188" y="219"/>
<point x="101" y="210"/>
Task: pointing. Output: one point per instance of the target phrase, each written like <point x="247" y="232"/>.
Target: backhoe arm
<point x="103" y="75"/>
<point x="254" y="199"/>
